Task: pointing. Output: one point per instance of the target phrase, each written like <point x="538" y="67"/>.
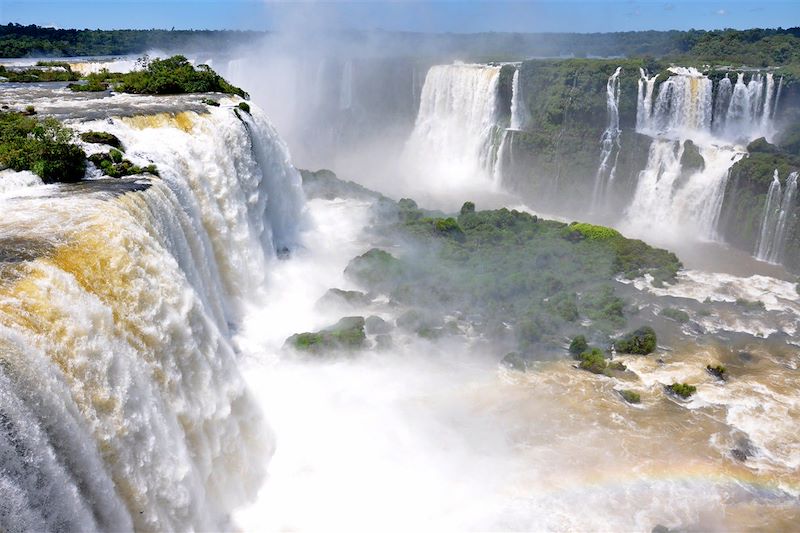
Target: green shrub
<point x="630" y="396"/>
<point x="468" y="208"/>
<point x="640" y="342"/>
<point x="43" y="147"/>
<point x="112" y="164"/>
<point x="347" y="334"/>
<point x="101" y="137"/>
<point x="718" y="371"/>
<point x="675" y="314"/>
<point x="578" y="345"/>
<point x="211" y="102"/>
<point x="174" y="75"/>
<point x="244" y="106"/>
<point x="681" y="389"/>
<point x="749" y="305"/>
<point x="594" y="361"/>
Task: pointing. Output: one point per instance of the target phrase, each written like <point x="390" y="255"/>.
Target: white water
<point x="121" y="402"/>
<point x="520" y="116"/>
<point x="453" y="142"/>
<point x="778" y="208"/>
<point x="610" y="142"/>
<point x="676" y="205"/>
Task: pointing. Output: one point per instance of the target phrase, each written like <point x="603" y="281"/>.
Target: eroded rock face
<point x="346" y="335"/>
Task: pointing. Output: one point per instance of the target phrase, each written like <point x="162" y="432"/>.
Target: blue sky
<point x="407" y="15"/>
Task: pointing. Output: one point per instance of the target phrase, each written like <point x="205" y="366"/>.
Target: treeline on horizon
<point x="753" y="47"/>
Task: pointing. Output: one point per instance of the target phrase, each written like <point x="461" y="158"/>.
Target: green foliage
<point x="511" y="271"/>
<point x="114" y="165"/>
<point x="677" y="315"/>
<point x="376" y="269"/>
<point x="718" y="371"/>
<point x="681" y="389"/>
<point x="347" y="334"/>
<point x="31" y="75"/>
<point x="593" y="360"/>
<point x="630" y="396"/>
<point x="467" y="209"/>
<point x="749" y="305"/>
<point x="592" y="232"/>
<point x="43" y="147"/>
<point x="640" y="342"/>
<point x="29" y="110"/>
<point x="244" y="106"/>
<point x="578" y="345"/>
<point x="91" y="86"/>
<point x="211" y="102"/>
<point x="101" y="137"/>
<point x="174" y="75"/>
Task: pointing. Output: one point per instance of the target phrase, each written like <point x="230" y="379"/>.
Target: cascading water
<point x="519" y="110"/>
<point x="610" y="141"/>
<point x="778" y="208"/>
<point x="121" y="404"/>
<point x="689" y="201"/>
<point x="644" y="102"/>
<point x="456" y="128"/>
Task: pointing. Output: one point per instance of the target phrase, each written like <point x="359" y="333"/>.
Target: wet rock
<point x="384" y="342"/>
<point x="743" y="448"/>
<point x="630" y="396"/>
<point x="346" y="335"/>
<point x="718" y="371"/>
<point x="339" y="297"/>
<point x="375" y="325"/>
<point x="515" y="361"/>
<point x="101" y="137"/>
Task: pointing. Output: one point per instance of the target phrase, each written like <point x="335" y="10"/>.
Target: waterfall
<point x="346" y="87"/>
<point x="778" y="208"/>
<point x="610" y="141"/>
<point x="121" y="404"/>
<point x="456" y="131"/>
<point x="644" y="101"/>
<point x="674" y="203"/>
<point x="683" y="104"/>
<point x="721" y="103"/>
<point x="519" y="109"/>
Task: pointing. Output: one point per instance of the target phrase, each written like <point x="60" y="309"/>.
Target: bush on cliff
<point x="174" y="75"/>
<point x="639" y="342"/>
<point x="42" y="146"/>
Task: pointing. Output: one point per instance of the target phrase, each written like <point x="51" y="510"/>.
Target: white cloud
<point x="722" y="12"/>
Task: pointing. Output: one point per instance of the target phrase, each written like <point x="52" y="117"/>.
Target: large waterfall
<point x="687" y="201"/>
<point x="456" y="129"/>
<point x="778" y="208"/>
<point x="121" y="404"/>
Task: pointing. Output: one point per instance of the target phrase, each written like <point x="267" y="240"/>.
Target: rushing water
<point x="610" y="142"/>
<point x="454" y="135"/>
<point x="778" y="209"/>
<point x="121" y="400"/>
<point x="144" y="384"/>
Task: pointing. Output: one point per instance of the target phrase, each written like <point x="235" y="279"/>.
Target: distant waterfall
<point x="610" y="141"/>
<point x="778" y="207"/>
<point x="519" y="109"/>
<point x="673" y="203"/>
<point x="683" y="104"/>
<point x="122" y="406"/>
<point x="456" y="133"/>
<point x="686" y="105"/>
<point x="644" y="102"/>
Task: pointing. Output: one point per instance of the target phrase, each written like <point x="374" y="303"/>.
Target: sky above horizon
<point x="458" y="16"/>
